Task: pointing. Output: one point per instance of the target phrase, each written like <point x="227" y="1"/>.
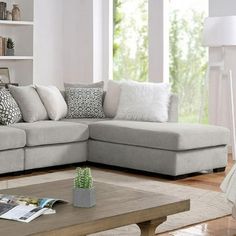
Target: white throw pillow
<point x="53" y="101"/>
<point x="112" y="98"/>
<point x="144" y="102"/>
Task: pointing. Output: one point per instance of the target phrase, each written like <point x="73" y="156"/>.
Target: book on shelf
<point x="3" y="46"/>
<point x="24" y="208"/>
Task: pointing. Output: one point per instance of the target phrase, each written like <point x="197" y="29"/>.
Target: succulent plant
<point x="10" y="43"/>
<point x="83" y="178"/>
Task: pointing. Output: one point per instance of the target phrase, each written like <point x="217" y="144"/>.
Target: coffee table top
<point x="116" y="206"/>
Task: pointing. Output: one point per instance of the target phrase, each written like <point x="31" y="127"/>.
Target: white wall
<point x="86" y="34"/>
<point x="70" y="41"/>
<point x="73" y="41"/>
<point x="102" y="40"/>
<point x="78" y="41"/>
<point x="48" y="43"/>
<point x="222" y="7"/>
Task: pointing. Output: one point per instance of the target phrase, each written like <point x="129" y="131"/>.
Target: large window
<point x="130" y="45"/>
<point x="188" y="59"/>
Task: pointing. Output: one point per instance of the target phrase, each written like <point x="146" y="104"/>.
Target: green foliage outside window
<point x="188" y="65"/>
<point x="130" y="46"/>
<point x="188" y="59"/>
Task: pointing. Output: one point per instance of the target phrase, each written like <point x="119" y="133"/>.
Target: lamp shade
<point x="219" y="31"/>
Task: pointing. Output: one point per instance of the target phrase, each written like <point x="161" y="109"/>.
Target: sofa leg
<point x="217" y="170"/>
<point x="177" y="177"/>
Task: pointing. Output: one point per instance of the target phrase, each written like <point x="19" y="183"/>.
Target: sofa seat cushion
<point x="11" y="138"/>
<point x="53" y="132"/>
<point x="168" y="136"/>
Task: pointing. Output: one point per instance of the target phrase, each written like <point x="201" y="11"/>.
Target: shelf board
<point x="16" y="58"/>
<point x="9" y="22"/>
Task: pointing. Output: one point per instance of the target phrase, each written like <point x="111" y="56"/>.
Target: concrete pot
<point x="84" y="197"/>
<point x="10" y="52"/>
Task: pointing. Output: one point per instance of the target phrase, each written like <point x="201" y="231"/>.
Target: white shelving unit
<point x="16" y="58"/>
<point x="21" y="65"/>
<point x="8" y="22"/>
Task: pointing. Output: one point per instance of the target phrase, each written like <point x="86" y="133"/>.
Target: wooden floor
<point x="225" y="226"/>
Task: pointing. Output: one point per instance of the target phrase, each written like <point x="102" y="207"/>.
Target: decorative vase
<point x="16" y="13"/>
<point x="8" y="15"/>
<point x="10" y="52"/>
<point x="83" y="197"/>
<point x="3" y="9"/>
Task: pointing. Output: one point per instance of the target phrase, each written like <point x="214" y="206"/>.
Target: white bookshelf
<point x="16" y="58"/>
<point x="21" y="64"/>
<point x="14" y="23"/>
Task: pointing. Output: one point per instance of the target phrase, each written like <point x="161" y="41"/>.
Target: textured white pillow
<point x="144" y="102"/>
<point x="112" y="98"/>
<point x="53" y="101"/>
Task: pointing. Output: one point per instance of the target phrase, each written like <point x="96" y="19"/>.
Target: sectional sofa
<point x="170" y="148"/>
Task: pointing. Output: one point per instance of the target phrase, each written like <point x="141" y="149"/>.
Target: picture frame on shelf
<point x="4" y="75"/>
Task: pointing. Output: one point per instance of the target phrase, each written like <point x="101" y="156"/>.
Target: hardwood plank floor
<point x="225" y="226"/>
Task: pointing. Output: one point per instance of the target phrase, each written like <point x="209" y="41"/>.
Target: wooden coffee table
<point x="116" y="206"/>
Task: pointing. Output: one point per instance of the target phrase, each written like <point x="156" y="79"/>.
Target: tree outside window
<point x="130" y="46"/>
<point x="188" y="59"/>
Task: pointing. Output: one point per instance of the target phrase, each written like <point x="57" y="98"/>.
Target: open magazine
<point x="25" y="209"/>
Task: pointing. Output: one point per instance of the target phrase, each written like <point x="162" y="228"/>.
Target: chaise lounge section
<point x="166" y="148"/>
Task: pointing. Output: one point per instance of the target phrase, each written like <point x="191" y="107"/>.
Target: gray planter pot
<point x="10" y="52"/>
<point x="84" y="197"/>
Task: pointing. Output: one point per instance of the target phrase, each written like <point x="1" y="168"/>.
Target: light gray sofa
<point x="170" y="148"/>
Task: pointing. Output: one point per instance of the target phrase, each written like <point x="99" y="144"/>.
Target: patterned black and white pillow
<point x="84" y="102"/>
<point x="9" y="111"/>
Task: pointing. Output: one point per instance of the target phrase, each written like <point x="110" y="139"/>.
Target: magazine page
<point x="48" y="202"/>
<point x="29" y="201"/>
<point x="23" y="213"/>
<point x="25" y="209"/>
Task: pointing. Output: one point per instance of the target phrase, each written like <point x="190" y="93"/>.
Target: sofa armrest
<point x="173" y="108"/>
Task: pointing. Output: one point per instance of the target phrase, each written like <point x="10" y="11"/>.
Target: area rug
<point x="205" y="205"/>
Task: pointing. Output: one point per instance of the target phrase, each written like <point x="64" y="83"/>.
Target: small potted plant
<point x="83" y="191"/>
<point x="10" y="47"/>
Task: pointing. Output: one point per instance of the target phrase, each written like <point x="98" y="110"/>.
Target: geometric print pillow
<point x="9" y="111"/>
<point x="84" y="102"/>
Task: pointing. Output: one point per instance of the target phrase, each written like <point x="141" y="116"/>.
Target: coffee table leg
<point x="148" y="228"/>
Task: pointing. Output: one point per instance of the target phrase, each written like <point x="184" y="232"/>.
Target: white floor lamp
<point x="221" y="32"/>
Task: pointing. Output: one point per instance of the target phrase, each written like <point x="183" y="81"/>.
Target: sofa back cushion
<point x="173" y="113"/>
<point x="112" y="98"/>
<point x="53" y="101"/>
<point x="99" y="84"/>
<point x="30" y="104"/>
